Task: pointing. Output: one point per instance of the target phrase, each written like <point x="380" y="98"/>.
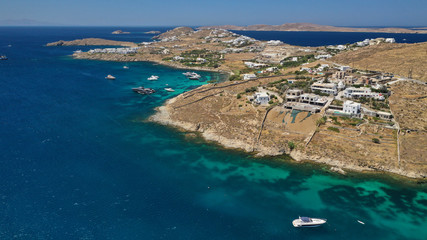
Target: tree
<point x="291" y="145"/>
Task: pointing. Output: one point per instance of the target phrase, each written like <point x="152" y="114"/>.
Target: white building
<point x="329" y="88"/>
<point x="353" y="92"/>
<point x="255" y="65"/>
<point x="178" y="58"/>
<point x="323" y="56"/>
<point x="390" y="40"/>
<point x="261" y="98"/>
<point x="272" y="69"/>
<point x="351" y="107"/>
<point x="344" y="68"/>
<point x="249" y="76"/>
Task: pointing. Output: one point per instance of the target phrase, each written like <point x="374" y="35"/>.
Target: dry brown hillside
<point x="395" y="58"/>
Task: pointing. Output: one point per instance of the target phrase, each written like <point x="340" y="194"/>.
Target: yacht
<point x="125" y="67"/>
<point x="194" y="76"/>
<point x="143" y="90"/>
<point x="153" y="78"/>
<point x="308" y="222"/>
<point x="110" y="77"/>
<point x="187" y="74"/>
<point x="3" y="57"/>
<point x="169" y="90"/>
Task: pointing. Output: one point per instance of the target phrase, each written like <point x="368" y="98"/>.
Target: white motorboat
<point x="194" y="76"/>
<point x="125" y="67"/>
<point x="110" y="77"/>
<point x="78" y="51"/>
<point x="187" y="74"/>
<point x="153" y="78"/>
<point x="169" y="90"/>
<point x="308" y="222"/>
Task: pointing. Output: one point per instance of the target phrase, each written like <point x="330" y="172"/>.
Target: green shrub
<point x="334" y="129"/>
<point x="291" y="145"/>
<point x="239" y="96"/>
<point x="321" y="121"/>
<point x="375" y="140"/>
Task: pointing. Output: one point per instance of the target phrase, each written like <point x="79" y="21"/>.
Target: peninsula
<point x="321" y="104"/>
<point x="310" y="27"/>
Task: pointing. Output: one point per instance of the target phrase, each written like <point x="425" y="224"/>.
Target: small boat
<point x="125" y="67"/>
<point x="153" y="78"/>
<point x="360" y="222"/>
<point x="110" y="77"/>
<point x="308" y="222"/>
<point x="78" y="51"/>
<point x="3" y="57"/>
<point x="143" y="90"/>
<point x="169" y="90"/>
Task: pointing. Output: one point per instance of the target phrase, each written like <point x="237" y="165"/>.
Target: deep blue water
<point x="79" y="161"/>
<point x="315" y="39"/>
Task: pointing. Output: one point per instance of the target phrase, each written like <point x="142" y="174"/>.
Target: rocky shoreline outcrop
<point x="236" y="137"/>
<point x="91" y="42"/>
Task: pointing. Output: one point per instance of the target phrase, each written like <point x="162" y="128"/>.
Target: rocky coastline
<point x="164" y="116"/>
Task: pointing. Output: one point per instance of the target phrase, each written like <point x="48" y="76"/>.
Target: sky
<point x="216" y="12"/>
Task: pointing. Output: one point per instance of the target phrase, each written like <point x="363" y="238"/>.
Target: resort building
<point x="255" y="65"/>
<point x="339" y="75"/>
<point x="261" y="98"/>
<point x="353" y="92"/>
<point x="313" y="99"/>
<point x="329" y="88"/>
<point x="351" y="107"/>
<point x="293" y="95"/>
<point x="249" y="76"/>
<point x="378" y="114"/>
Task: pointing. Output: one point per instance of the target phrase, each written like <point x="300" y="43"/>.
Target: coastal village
<point x="283" y="99"/>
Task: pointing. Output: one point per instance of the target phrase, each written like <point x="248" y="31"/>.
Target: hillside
<point x="399" y="59"/>
<point x="312" y="28"/>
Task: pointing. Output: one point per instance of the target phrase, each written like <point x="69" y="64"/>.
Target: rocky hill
<point x="176" y="32"/>
<point x="400" y="59"/>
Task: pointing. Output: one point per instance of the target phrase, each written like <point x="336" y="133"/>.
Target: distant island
<point x="120" y="32"/>
<point x="310" y="27"/>
<point x="152" y="32"/>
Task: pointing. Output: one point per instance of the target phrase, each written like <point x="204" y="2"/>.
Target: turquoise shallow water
<point x="79" y="161"/>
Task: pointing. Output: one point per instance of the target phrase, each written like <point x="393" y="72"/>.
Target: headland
<point x="321" y="104"/>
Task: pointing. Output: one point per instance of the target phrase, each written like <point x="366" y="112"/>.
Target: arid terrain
<point x="406" y="60"/>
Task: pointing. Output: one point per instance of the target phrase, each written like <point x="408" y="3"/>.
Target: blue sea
<point x="80" y="161"/>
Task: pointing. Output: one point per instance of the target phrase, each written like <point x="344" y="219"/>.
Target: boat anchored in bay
<point x="153" y="78"/>
<point x="143" y="90"/>
<point x="110" y="77"/>
<point x="3" y="57"/>
<point x="308" y="222"/>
